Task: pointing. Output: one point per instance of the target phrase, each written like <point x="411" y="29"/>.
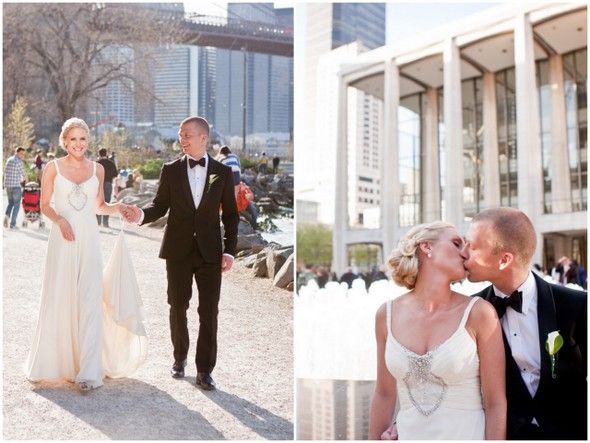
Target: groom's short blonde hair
<point x="513" y="232"/>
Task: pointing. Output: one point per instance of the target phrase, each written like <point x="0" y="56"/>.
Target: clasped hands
<point x="131" y="213"/>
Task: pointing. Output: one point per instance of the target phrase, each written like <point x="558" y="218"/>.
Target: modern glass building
<point x="488" y="111"/>
<point x="334" y="33"/>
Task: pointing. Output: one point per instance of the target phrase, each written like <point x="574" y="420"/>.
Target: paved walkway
<point x="254" y="371"/>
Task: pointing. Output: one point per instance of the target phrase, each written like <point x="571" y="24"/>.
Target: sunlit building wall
<point x="487" y="111"/>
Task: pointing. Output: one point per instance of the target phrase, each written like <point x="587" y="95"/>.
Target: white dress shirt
<point x="522" y="332"/>
<point x="197" y="177"/>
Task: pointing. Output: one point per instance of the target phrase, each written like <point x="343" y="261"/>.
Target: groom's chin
<point x="472" y="278"/>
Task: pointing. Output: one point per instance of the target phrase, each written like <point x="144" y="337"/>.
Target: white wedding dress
<point x="440" y="391"/>
<point x="84" y="333"/>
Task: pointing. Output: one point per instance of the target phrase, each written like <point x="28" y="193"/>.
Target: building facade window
<point x="575" y="72"/>
<point x="507" y="149"/>
<point x="472" y="105"/>
<point x="545" y="107"/>
<point x="409" y="161"/>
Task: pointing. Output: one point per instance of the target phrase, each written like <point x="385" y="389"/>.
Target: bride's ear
<point x="426" y="247"/>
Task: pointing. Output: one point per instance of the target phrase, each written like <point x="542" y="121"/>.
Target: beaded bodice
<point x="446" y="376"/>
<point x="74" y="200"/>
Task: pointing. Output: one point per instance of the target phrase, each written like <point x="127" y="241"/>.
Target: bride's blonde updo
<point x="71" y="123"/>
<point x="404" y="261"/>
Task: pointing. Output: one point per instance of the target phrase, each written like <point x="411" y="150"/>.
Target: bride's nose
<point x="464" y="252"/>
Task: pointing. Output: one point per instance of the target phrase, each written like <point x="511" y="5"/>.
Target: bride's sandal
<point x="84" y="386"/>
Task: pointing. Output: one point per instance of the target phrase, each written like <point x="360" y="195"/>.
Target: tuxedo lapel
<point x="211" y="169"/>
<point x="186" y="187"/>
<point x="512" y="369"/>
<point x="547" y="323"/>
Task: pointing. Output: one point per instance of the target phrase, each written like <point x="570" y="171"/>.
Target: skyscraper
<point x="269" y="80"/>
<point x="363" y="22"/>
<point x="334" y="33"/>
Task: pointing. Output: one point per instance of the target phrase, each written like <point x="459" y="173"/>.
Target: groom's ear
<point x="506" y="258"/>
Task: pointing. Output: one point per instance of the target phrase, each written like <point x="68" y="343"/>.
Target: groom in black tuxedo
<point x="194" y="188"/>
<point x="543" y="403"/>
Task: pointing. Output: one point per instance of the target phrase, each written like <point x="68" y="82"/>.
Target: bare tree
<point x="66" y="52"/>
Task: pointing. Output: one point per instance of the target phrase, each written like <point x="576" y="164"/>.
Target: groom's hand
<point x="130" y="213"/>
<point x="226" y="262"/>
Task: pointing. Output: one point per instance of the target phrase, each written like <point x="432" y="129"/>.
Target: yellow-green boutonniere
<point x="553" y="344"/>
<point x="212" y="179"/>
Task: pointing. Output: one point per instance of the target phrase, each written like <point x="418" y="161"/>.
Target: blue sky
<point x="404" y="19"/>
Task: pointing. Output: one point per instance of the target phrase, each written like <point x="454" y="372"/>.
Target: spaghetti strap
<point x="94" y="170"/>
<point x="467" y="311"/>
<point x="389" y="306"/>
<point x="56" y="167"/>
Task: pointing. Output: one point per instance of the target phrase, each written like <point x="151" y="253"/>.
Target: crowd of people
<point x="321" y="275"/>
<point x="565" y="272"/>
<point x="116" y="180"/>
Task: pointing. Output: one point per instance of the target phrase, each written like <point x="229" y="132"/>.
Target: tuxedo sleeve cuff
<point x="229" y="255"/>
<point x="141" y="217"/>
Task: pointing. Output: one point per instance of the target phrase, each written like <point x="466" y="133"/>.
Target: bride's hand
<point x="66" y="230"/>
<point x="129" y="212"/>
<point x="390" y="433"/>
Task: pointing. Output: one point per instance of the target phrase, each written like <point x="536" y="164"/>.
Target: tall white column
<point x="528" y="125"/>
<point x="491" y="167"/>
<point x="453" y="135"/>
<point x="528" y="142"/>
<point x="341" y="197"/>
<point x="431" y="169"/>
<point x="559" y="166"/>
<point x="390" y="189"/>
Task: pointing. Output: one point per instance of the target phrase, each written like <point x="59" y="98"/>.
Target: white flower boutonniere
<point x="212" y="179"/>
<point x="553" y="344"/>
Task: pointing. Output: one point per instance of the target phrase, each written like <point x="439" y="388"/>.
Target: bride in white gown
<point x="74" y="340"/>
<point x="439" y="353"/>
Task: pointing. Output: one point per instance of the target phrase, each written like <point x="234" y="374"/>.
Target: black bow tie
<point x="192" y="163"/>
<point x="500" y="303"/>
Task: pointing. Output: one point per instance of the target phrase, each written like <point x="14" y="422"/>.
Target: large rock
<point x="249" y="242"/>
<point x="267" y="205"/>
<point x="275" y="258"/>
<point x="259" y="268"/>
<point x="244" y="228"/>
<point x="285" y="275"/>
<point x="250" y="260"/>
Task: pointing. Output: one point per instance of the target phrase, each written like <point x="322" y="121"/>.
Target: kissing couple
<point x="509" y="362"/>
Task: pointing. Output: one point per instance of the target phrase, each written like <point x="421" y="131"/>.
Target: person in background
<point x="14" y="176"/>
<point x="263" y="164"/>
<point x="39" y="165"/>
<point x="275" y="164"/>
<point x="110" y="172"/>
<point x="230" y="159"/>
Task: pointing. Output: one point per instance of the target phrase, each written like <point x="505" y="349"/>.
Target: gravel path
<point x="254" y="372"/>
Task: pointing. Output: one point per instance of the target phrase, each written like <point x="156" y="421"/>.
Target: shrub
<point x="151" y="168"/>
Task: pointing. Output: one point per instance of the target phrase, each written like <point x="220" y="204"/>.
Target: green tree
<point x="19" y="130"/>
<point x="314" y="244"/>
<point x="365" y="255"/>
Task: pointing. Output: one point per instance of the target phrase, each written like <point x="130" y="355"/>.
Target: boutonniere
<point x="212" y="179"/>
<point x="553" y="344"/>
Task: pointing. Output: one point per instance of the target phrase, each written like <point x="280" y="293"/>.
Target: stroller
<point x="32" y="204"/>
